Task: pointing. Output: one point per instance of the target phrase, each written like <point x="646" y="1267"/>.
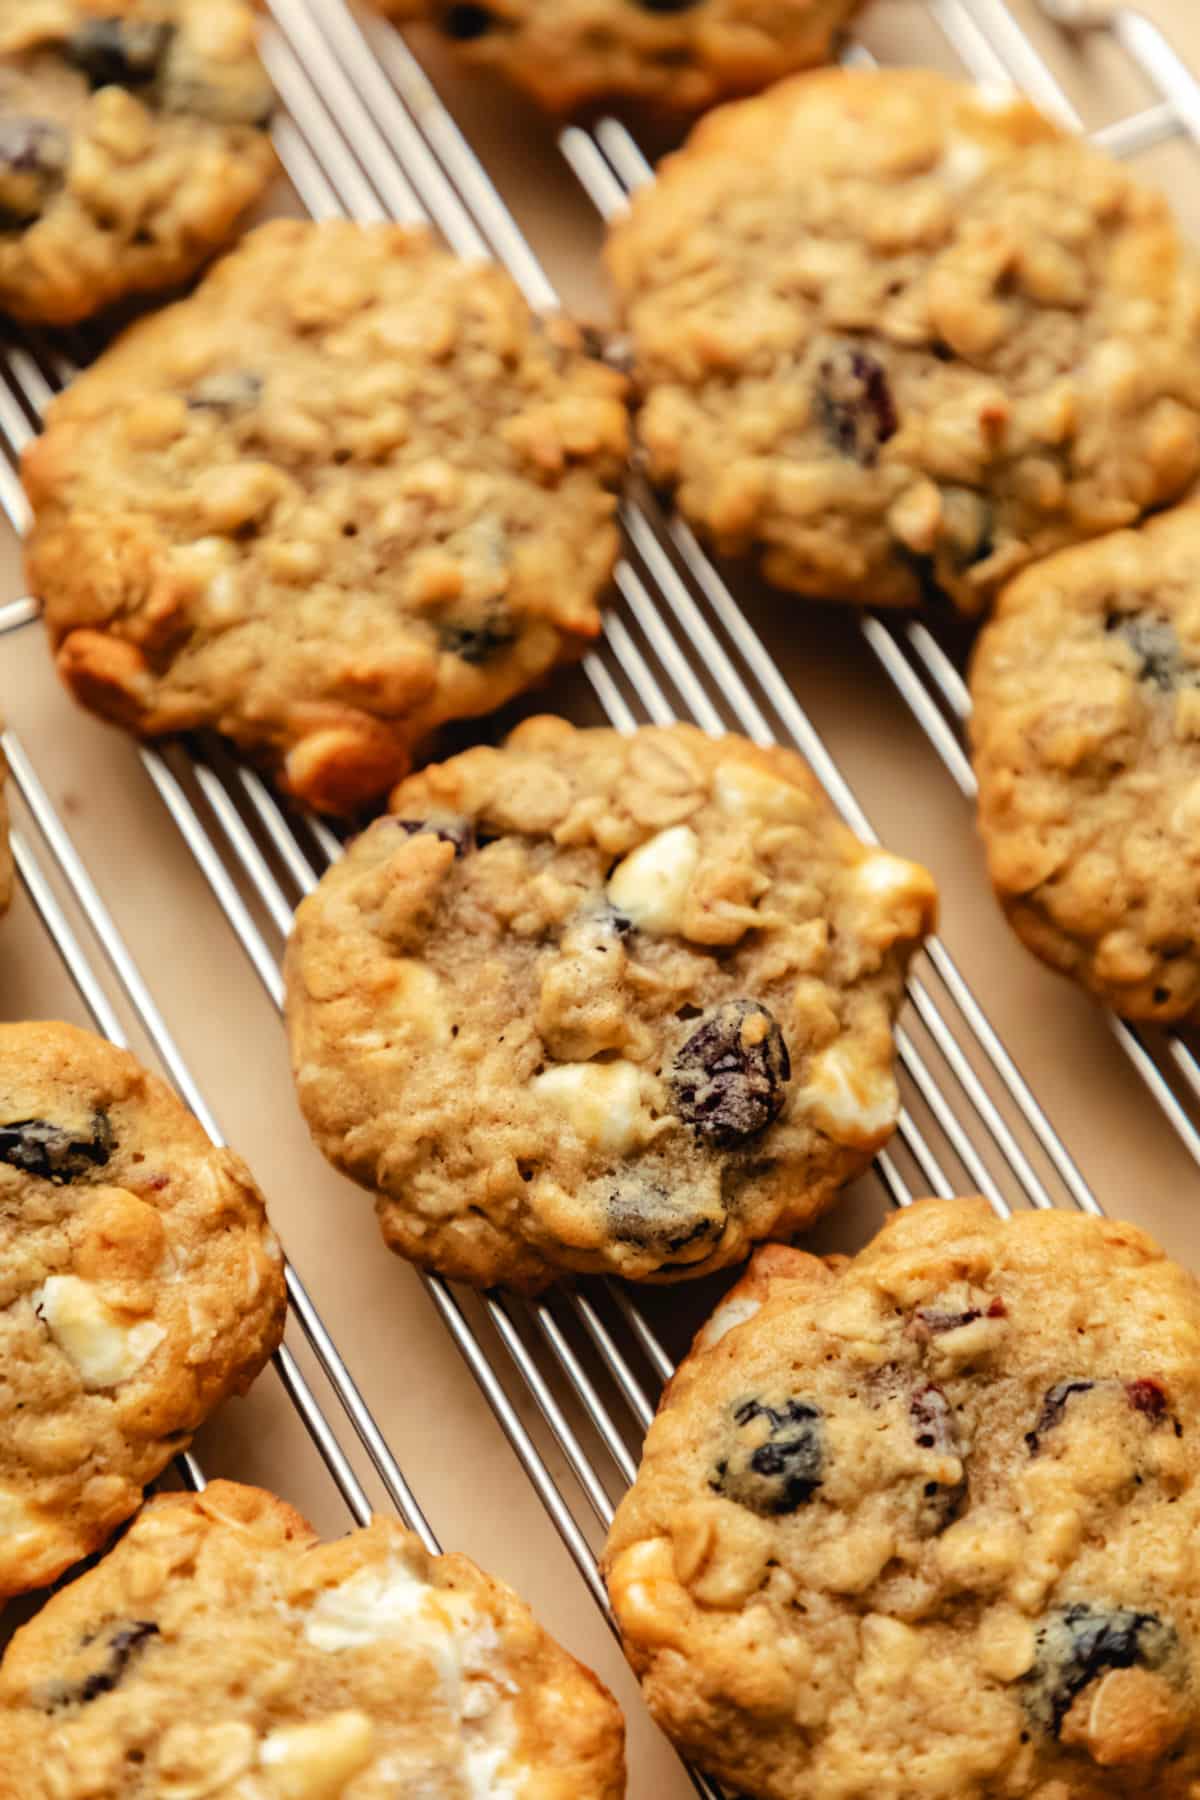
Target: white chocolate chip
<point x="891" y="877"/>
<point x="853" y="1103"/>
<point x="16" y="1521"/>
<point x="745" y="790"/>
<point x="87" y="1330"/>
<point x="418" y="992"/>
<point x="963" y="162"/>
<point x="314" y="1762"/>
<point x="370" y="1607"/>
<point x="727" y="1318"/>
<point x="651" y="885"/>
<point x="602" y="1102"/>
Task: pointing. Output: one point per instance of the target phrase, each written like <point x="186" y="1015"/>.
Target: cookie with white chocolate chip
<point x="140" y="1286"/>
<point x="602" y="1002"/>
<point x="132" y="141"/>
<point x="1086" y="736"/>
<point x="350" y="490"/>
<point x="222" y="1650"/>
<point x="900" y="336"/>
<point x="674" y="56"/>
<point x="922" y="1523"/>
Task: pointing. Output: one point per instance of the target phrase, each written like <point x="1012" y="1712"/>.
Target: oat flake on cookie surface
<point x="599" y="1002"/>
<point x="140" y="1286"/>
<point x="897" y="335"/>
<point x="132" y="140"/>
<point x="221" y="1652"/>
<point x="923" y="1524"/>
<point x="350" y="490"/>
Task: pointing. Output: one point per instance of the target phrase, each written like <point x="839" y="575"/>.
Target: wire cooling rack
<point x="366" y="135"/>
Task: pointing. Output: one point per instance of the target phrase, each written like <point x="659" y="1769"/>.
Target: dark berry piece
<point x="1054" y="1405"/>
<point x="38" y="1148"/>
<point x="936" y="1428"/>
<point x="928" y="1321"/>
<point x="729" y="1079"/>
<point x="1077" y="1643"/>
<point x="783" y="1470"/>
<point x="1147" y="1396"/>
<point x="854" y="401"/>
<point x="458" y="832"/>
<point x="464" y="23"/>
<point x="650" y="1218"/>
<point x="231" y="391"/>
<point x="1161" y="657"/>
<point x="969" y="522"/>
<point x="122" y="1644"/>
<point x="33" y="159"/>
<point x="476" y="639"/>
<point x="119" y="52"/>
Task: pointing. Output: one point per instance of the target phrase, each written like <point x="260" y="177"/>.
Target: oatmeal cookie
<point x="677" y="56"/>
<point x="221" y="1650"/>
<point x="1086" y="736"/>
<point x="348" y="491"/>
<point x="132" y="141"/>
<point x="923" y="1524"/>
<point x="899" y="336"/>
<point x="606" y="1003"/>
<point x="140" y="1286"/>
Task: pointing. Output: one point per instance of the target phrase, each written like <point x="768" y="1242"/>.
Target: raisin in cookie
<point x="896" y="334"/>
<point x="131" y="143"/>
<point x="1086" y="734"/>
<point x="602" y="1003"/>
<point x="139" y="1286"/>
<point x="221" y="1650"/>
<point x="923" y="1523"/>
<point x="675" y="55"/>
<point x="349" y="490"/>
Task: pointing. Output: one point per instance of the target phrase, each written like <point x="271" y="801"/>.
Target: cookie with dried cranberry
<point x="1086" y="737"/>
<point x="132" y="141"/>
<point x="602" y="1002"/>
<point x="674" y="56"/>
<point x="221" y="1650"/>
<point x="922" y="1523"/>
<point x="140" y="1286"/>
<point x="349" y="490"/>
<point x="898" y="337"/>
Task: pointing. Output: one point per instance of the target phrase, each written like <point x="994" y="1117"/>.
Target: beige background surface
<point x="457" y="1459"/>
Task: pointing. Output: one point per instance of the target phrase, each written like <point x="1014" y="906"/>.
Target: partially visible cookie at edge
<point x="922" y="1522"/>
<point x="898" y="336"/>
<point x="350" y="490"/>
<point x="575" y="55"/>
<point x="132" y="141"/>
<point x="221" y="1650"/>
<point x="140" y="1286"/>
<point x="603" y="1002"/>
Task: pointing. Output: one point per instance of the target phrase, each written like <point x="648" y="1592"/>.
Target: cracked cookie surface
<point x="350" y="490"/>
<point x="604" y="1003"/>
<point x="897" y="335"/>
<point x="923" y="1523"/>
<point x="222" y="1650"/>
<point x="678" y="58"/>
<point x="132" y="140"/>
<point x="140" y="1286"/>
<point x="1086" y="740"/>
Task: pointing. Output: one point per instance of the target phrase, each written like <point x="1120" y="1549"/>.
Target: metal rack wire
<point x="367" y="136"/>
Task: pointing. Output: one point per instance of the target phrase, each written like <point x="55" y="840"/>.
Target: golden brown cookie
<point x="222" y="1651"/>
<point x="603" y="1003"/>
<point x="349" y="490"/>
<point x="895" y="334"/>
<point x="923" y="1523"/>
<point x="140" y="1286"/>
<point x="132" y="140"/>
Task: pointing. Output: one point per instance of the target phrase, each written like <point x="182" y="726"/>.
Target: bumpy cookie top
<point x="131" y="141"/>
<point x="1087" y="747"/>
<point x="221" y="1651"/>
<point x="602" y="1002"/>
<point x="923" y="1524"/>
<point x="139" y="1287"/>
<point x="895" y="332"/>
<point x="351" y="489"/>
<point x="678" y="55"/>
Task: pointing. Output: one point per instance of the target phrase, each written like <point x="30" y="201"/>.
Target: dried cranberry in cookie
<point x="220" y="1651"/>
<point x="845" y="1569"/>
<point x="673" y="56"/>
<point x="604" y="1003"/>
<point x="140" y="1286"/>
<point x="899" y="337"/>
